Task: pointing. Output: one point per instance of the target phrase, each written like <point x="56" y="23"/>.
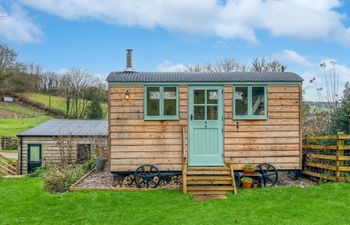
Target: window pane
<point x="153" y="97"/>
<point x="212" y="97"/>
<point x="34" y="153"/>
<point x="169" y="101"/>
<point x="199" y="113"/>
<point x="258" y="100"/>
<point x="199" y="96"/>
<point x="212" y="112"/>
<point x="241" y="101"/>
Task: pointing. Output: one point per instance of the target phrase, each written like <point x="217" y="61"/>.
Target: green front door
<point x="205" y="125"/>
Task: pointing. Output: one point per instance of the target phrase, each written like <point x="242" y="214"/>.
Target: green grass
<point x="23" y="201"/>
<point x="13" y="126"/>
<point x="18" y="108"/>
<point x="57" y="102"/>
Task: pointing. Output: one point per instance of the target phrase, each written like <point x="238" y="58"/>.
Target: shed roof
<point x="69" y="128"/>
<point x="218" y="77"/>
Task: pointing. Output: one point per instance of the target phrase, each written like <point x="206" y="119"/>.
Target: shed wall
<point x="52" y="153"/>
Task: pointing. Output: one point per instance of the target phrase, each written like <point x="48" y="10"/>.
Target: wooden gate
<point x="7" y="166"/>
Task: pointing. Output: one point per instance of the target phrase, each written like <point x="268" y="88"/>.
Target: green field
<point x="57" y="102"/>
<point x="23" y="201"/>
<point x="27" y="118"/>
<point x="12" y="126"/>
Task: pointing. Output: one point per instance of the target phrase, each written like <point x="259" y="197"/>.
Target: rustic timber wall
<point x="276" y="140"/>
<point x="51" y="152"/>
<point x="134" y="141"/>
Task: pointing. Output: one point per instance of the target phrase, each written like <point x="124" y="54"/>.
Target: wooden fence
<point x="327" y="157"/>
<point x="7" y="166"/>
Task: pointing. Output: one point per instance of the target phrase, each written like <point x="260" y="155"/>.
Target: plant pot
<point x="101" y="163"/>
<point x="246" y="184"/>
<point x="248" y="171"/>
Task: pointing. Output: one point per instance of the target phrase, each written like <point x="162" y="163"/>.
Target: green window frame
<point x="161" y="104"/>
<point x="249" y="115"/>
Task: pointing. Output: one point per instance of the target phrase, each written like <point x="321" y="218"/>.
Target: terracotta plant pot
<point x="248" y="171"/>
<point x="246" y="184"/>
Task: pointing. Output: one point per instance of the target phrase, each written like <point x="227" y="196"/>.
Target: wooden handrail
<point x="233" y="179"/>
<point x="184" y="161"/>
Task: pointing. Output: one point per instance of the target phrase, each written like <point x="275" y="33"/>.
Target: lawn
<point x="13" y="126"/>
<point x="57" y="102"/>
<point x="23" y="201"/>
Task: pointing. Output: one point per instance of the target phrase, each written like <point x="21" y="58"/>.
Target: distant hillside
<point x="16" y="118"/>
<point x="57" y="102"/>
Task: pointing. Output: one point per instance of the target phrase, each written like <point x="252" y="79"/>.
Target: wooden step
<point x="191" y="182"/>
<point x="208" y="168"/>
<point x="209" y="188"/>
<point x="201" y="172"/>
<point x="209" y="178"/>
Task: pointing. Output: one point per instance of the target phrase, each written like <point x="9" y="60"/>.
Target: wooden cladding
<point x="134" y="141"/>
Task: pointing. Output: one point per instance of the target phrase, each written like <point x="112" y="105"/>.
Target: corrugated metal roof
<point x="152" y="77"/>
<point x="69" y="128"/>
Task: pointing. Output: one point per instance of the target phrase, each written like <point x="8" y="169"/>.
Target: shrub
<point x="60" y="179"/>
<point x="89" y="164"/>
<point x="40" y="171"/>
<point x="247" y="179"/>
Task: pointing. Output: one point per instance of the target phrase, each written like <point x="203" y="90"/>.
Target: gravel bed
<point x="106" y="180"/>
<point x="97" y="180"/>
<point x="284" y="179"/>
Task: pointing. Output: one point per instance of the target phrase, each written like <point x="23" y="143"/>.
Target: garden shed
<point x="203" y="121"/>
<point x="56" y="141"/>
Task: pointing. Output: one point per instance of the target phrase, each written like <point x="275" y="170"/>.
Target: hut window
<point x="161" y="103"/>
<point x="83" y="152"/>
<point x="250" y="102"/>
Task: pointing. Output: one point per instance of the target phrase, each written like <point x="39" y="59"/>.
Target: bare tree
<point x="259" y="64"/>
<point x="263" y="64"/>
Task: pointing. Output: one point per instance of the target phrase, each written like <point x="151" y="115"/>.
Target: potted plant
<point x="246" y="182"/>
<point x="249" y="169"/>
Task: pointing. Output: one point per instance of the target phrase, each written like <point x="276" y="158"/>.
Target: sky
<point x="166" y="35"/>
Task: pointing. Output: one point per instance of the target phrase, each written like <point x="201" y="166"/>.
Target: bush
<point x="40" y="171"/>
<point x="89" y="164"/>
<point x="60" y="179"/>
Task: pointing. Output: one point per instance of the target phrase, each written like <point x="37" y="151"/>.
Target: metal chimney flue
<point x="129" y="60"/>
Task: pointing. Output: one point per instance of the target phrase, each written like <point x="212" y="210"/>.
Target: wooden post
<point x="340" y="152"/>
<point x="233" y="180"/>
<point x="184" y="161"/>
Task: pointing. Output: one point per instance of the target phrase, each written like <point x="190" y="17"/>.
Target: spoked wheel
<point x="269" y="174"/>
<point x="147" y="176"/>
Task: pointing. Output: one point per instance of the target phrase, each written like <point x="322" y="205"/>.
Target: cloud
<point x="17" y="26"/>
<point x="232" y="19"/>
<point x="294" y="57"/>
<point x="322" y="77"/>
<point x="168" y="66"/>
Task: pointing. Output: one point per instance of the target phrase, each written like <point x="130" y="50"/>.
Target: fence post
<point x="340" y="152"/>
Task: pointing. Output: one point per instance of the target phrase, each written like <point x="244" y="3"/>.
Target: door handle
<point x="191" y="117"/>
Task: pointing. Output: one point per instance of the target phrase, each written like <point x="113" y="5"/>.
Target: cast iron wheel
<point x="269" y="174"/>
<point x="147" y="176"/>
